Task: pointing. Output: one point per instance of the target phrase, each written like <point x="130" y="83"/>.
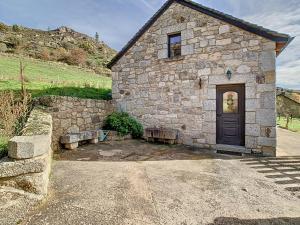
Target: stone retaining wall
<point x="28" y="164"/>
<point x="71" y="115"/>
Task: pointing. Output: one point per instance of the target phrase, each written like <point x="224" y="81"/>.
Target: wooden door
<point x="231" y="115"/>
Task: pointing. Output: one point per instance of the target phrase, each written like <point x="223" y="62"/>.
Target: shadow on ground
<point x="271" y="221"/>
<point x="283" y="170"/>
<point x="137" y="150"/>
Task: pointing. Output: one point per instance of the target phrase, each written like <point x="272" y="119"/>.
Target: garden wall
<point x="71" y="115"/>
<point x="28" y="164"/>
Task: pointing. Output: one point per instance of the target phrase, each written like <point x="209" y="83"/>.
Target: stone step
<point x="232" y="148"/>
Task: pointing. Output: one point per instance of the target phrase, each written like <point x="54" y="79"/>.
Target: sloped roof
<point x="281" y="39"/>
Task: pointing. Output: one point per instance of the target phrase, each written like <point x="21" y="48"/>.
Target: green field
<point x="294" y="124"/>
<point x="50" y="78"/>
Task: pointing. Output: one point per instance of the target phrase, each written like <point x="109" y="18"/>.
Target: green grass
<point x="294" y="124"/>
<point x="50" y="78"/>
<point x="3" y="146"/>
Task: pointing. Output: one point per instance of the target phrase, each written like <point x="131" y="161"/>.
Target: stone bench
<point x="70" y="141"/>
<point x="165" y="135"/>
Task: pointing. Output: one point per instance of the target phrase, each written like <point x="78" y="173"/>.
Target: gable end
<point x="282" y="40"/>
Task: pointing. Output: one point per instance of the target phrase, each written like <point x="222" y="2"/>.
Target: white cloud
<point x="288" y="70"/>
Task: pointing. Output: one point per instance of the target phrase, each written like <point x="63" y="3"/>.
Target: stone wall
<point x="165" y="92"/>
<point x="71" y="115"/>
<point x="28" y="164"/>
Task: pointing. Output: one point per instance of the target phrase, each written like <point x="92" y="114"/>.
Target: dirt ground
<point x="288" y="143"/>
<point x="134" y="182"/>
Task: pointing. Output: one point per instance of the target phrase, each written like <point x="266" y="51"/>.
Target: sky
<point x="117" y="21"/>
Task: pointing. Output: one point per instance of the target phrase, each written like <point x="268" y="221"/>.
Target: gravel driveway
<point x="200" y="189"/>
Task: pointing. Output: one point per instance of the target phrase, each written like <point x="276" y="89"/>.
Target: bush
<point x="77" y="57"/>
<point x="124" y="124"/>
<point x="88" y="47"/>
<point x="16" y="28"/>
<point x="13" y="112"/>
<point x="3" y="146"/>
<point x="14" y="41"/>
<point x="3" y="27"/>
<point x="74" y="57"/>
<point x="44" y="54"/>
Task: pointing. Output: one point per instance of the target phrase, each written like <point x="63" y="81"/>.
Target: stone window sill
<point x="174" y="59"/>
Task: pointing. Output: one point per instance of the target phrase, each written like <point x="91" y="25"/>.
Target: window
<point x="174" y="45"/>
<point x="230" y="102"/>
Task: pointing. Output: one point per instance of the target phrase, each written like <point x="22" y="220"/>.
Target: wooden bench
<point x="71" y="141"/>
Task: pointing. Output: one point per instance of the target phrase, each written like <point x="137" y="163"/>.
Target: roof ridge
<point x="250" y="27"/>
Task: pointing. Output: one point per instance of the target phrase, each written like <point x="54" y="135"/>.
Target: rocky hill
<point x="62" y="44"/>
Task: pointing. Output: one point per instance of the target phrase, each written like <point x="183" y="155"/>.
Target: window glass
<point x="174" y="45"/>
<point x="230" y="102"/>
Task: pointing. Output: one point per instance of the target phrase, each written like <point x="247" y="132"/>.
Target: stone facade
<point x="28" y="164"/>
<point x="71" y="115"/>
<point x="165" y="92"/>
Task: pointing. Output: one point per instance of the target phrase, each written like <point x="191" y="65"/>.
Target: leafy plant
<point x="16" y="28"/>
<point x="124" y="124"/>
<point x="3" y="146"/>
<point x="3" y="27"/>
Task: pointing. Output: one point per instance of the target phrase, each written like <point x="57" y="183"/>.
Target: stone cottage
<point x="205" y="73"/>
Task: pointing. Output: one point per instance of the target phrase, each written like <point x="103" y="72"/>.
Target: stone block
<point x="269" y="132"/>
<point x="243" y="69"/>
<point x="250" y="142"/>
<point x="252" y="130"/>
<point x="162" y="54"/>
<point x="266" y="117"/>
<point x="250" y="92"/>
<point x="187" y="34"/>
<point x="267" y="100"/>
<point x="253" y="43"/>
<point x="70" y="138"/>
<point x="211" y="93"/>
<point x="187" y="49"/>
<point x="209" y="105"/>
<point x="264" y="141"/>
<point x="224" y="29"/>
<point x="268" y="151"/>
<point x="71" y="146"/>
<point x="226" y="41"/>
<point x="26" y="147"/>
<point x="250" y="117"/>
<point x="94" y="141"/>
<point x="209" y="127"/>
<point x="251" y="104"/>
<point x="270" y="77"/>
<point x="203" y="43"/>
<point x="268" y="60"/>
<point x="12" y="168"/>
<point x="266" y="88"/>
<point x="206" y="71"/>
<point x="36" y="183"/>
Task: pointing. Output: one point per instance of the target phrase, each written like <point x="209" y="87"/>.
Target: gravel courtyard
<point x="134" y="182"/>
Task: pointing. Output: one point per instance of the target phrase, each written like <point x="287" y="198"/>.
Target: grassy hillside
<point x="61" y="45"/>
<point x="51" y="78"/>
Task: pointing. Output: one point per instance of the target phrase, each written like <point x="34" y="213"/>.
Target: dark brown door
<point x="231" y="115"/>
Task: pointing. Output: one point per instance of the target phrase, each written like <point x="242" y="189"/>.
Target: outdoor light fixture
<point x="229" y="74"/>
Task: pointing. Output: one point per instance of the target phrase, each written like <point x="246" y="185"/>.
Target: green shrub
<point x="14" y="41"/>
<point x="124" y="124"/>
<point x="3" y="27"/>
<point x="3" y="146"/>
<point x="16" y="28"/>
